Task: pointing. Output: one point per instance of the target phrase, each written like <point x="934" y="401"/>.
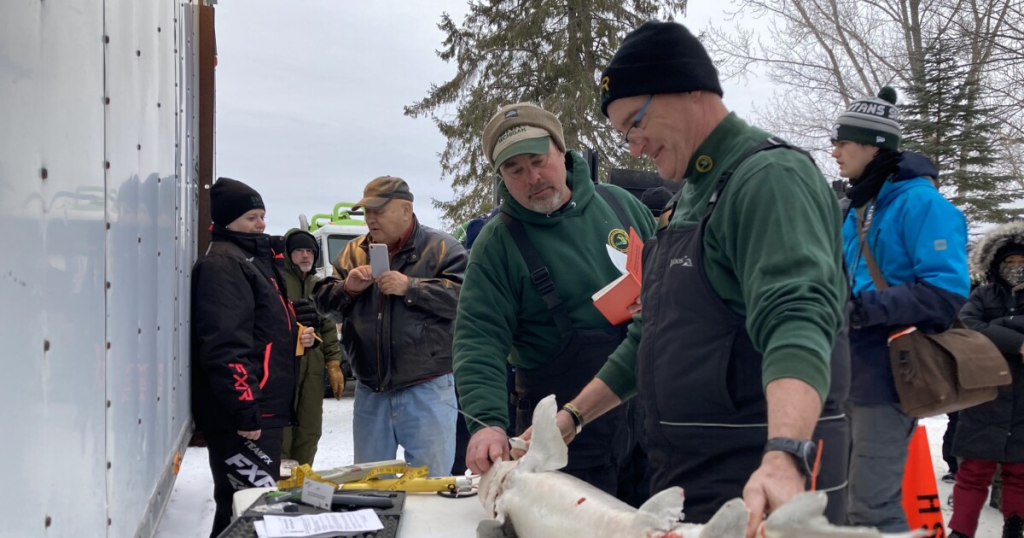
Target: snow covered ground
<point x="189" y="512"/>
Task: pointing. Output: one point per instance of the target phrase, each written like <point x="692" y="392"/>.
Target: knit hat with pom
<point x="873" y="121"/>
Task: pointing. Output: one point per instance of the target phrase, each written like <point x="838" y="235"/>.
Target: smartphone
<point x="379" y="261"/>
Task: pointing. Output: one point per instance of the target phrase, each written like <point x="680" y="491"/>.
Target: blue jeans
<point x="415" y="417"/>
<point x="881" y="437"/>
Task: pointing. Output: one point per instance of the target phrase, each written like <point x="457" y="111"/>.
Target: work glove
<point x="336" y="378"/>
<point x="305" y="314"/>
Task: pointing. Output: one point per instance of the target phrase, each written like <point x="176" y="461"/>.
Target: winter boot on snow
<point x="957" y="534"/>
<point x="1013" y="527"/>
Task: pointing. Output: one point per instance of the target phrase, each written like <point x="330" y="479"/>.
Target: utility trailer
<point x="106" y="151"/>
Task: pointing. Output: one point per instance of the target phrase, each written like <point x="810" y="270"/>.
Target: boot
<point x="1013" y="527"/>
<point x="957" y="534"/>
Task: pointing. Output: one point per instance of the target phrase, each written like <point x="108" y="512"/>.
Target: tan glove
<point x="336" y="378"/>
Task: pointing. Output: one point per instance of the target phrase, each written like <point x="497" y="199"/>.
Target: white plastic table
<point x="426" y="515"/>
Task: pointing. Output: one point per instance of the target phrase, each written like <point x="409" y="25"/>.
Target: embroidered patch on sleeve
<point x="940" y="245"/>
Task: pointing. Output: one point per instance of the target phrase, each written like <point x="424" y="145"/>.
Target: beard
<point x="549" y="204"/>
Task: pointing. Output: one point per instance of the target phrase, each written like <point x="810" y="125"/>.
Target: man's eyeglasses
<point x="636" y="123"/>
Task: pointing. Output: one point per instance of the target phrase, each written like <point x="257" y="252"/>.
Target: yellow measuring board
<point x="411" y="479"/>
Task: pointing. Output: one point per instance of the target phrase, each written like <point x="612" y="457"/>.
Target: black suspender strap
<point x="541" y="278"/>
<point x="539" y="274"/>
<point x="767" y="144"/>
<point x="613" y="202"/>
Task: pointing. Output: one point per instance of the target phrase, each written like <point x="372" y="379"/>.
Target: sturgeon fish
<point x="530" y="498"/>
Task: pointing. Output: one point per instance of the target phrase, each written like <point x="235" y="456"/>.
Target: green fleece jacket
<point x="501" y="311"/>
<point x="773" y="253"/>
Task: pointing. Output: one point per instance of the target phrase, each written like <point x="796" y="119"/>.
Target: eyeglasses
<point x="635" y="125"/>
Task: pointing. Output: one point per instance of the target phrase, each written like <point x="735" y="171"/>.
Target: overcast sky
<point x="310" y="97"/>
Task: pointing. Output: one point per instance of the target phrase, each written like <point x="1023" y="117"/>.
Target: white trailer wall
<point x="97" y="236"/>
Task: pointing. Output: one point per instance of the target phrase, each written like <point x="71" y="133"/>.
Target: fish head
<point x="492" y="483"/>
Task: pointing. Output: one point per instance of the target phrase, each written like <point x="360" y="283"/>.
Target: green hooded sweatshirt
<point x="773" y="253"/>
<point x="501" y="311"/>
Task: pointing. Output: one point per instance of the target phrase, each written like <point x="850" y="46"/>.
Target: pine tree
<point x="949" y="123"/>
<point x="550" y="52"/>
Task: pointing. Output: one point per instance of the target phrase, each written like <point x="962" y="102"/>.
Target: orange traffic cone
<point x="920" y="492"/>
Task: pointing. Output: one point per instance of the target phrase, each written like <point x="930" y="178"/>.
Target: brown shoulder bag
<point x="938" y="373"/>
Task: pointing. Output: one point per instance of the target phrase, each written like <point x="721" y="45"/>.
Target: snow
<point x="189" y="512"/>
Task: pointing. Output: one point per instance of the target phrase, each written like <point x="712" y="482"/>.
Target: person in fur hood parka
<point x="993" y="433"/>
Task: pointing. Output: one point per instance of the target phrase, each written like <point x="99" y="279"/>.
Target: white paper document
<point x="319" y="525"/>
<point x="618" y="258"/>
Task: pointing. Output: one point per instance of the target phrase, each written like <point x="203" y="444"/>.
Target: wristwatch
<point x="802" y="450"/>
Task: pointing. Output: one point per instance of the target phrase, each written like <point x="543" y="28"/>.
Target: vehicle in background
<point x="333" y="232"/>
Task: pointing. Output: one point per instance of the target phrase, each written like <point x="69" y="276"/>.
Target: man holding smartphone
<point x="397" y="327"/>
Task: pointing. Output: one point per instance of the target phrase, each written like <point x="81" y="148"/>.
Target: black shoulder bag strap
<point x="541" y="278"/>
<point x="613" y="202"/>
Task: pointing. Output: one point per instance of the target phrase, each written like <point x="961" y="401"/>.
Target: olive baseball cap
<point x="382" y="190"/>
<point x="521" y="128"/>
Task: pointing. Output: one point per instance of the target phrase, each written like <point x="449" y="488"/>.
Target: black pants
<point x="947" y="442"/>
<point x="238" y="463"/>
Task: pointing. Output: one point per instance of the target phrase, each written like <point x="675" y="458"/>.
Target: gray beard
<point x="549" y="207"/>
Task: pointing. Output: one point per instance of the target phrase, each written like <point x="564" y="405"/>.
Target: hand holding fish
<point x="565" y="426"/>
<point x="773" y="484"/>
<point x="487" y="446"/>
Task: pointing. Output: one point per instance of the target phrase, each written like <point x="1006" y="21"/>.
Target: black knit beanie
<point x="1006" y="251"/>
<point x="230" y="199"/>
<point x="658" y="57"/>
<point x="300" y="239"/>
<point x="656" y="199"/>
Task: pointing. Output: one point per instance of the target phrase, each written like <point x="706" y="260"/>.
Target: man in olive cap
<point x="529" y="291"/>
<point x="397" y="328"/>
<point x="736" y="371"/>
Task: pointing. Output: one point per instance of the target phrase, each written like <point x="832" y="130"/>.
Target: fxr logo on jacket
<point x="241" y="385"/>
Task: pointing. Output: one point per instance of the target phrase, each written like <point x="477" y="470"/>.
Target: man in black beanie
<point x="243" y="348"/>
<point x="737" y="373"/>
<point x="301" y="253"/>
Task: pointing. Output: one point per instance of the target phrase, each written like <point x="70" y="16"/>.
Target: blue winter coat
<point x="919" y="240"/>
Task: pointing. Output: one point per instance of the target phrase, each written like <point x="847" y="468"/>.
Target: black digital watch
<point x="802" y="450"/>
